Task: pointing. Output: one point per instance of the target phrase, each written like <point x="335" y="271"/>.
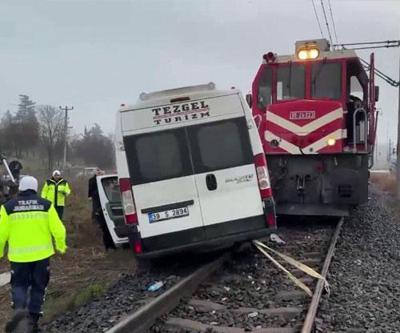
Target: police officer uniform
<point x="56" y="189"/>
<point x="29" y="224"/>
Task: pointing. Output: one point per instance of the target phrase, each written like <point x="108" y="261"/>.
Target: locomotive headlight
<point x="313" y="53"/>
<point x="331" y="142"/>
<point x="305" y="54"/>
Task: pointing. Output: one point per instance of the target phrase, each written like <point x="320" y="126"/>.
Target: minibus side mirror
<point x="376" y="93"/>
<point x="249" y="100"/>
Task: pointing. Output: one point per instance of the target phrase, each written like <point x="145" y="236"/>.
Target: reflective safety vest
<point x="56" y="192"/>
<point x="29" y="224"/>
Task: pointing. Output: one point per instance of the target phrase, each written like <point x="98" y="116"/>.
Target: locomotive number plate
<point x="302" y="115"/>
<point x="168" y="214"/>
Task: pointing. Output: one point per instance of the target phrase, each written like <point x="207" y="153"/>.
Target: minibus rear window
<point x="220" y="145"/>
<point x="157" y="156"/>
<point x="111" y="189"/>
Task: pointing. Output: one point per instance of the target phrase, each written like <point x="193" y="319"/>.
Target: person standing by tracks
<point x="29" y="223"/>
<point x="56" y="189"/>
<point x="93" y="192"/>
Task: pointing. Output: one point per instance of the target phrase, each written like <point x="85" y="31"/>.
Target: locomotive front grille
<point x="345" y="190"/>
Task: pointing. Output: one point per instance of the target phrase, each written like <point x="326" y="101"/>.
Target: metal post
<point x="66" y="109"/>
<point x="398" y="142"/>
<point x="4" y="161"/>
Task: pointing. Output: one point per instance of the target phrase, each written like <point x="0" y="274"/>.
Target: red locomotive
<point x="315" y="111"/>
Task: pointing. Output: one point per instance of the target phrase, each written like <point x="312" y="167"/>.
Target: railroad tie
<point x="192" y="325"/>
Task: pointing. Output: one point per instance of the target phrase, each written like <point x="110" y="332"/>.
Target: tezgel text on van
<point x="180" y="112"/>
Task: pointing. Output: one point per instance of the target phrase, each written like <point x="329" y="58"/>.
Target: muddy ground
<point x="85" y="271"/>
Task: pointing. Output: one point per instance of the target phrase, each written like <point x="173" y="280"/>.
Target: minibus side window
<point x="220" y="145"/>
<point x="157" y="156"/>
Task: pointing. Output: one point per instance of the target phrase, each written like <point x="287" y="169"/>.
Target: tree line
<point x="38" y="131"/>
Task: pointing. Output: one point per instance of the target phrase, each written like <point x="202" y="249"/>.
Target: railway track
<point x="241" y="293"/>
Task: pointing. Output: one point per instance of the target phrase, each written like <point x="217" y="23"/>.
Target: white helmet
<point x="56" y="173"/>
<point x="28" y="183"/>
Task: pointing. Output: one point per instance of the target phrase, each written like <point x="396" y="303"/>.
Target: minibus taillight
<point x="137" y="245"/>
<point x="271" y="220"/>
<point x="128" y="203"/>
<point x="263" y="177"/>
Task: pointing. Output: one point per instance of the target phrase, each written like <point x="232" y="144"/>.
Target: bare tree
<point x="51" y="125"/>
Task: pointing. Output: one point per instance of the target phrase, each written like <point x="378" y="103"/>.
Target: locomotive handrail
<point x="365" y="129"/>
<point x="372" y="160"/>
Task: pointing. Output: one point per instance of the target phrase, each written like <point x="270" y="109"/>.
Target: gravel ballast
<point x="126" y="296"/>
<point x="365" y="272"/>
<point x="364" y="278"/>
<point x="249" y="293"/>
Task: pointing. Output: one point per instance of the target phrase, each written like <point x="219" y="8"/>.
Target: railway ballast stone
<point x="365" y="272"/>
<point x="126" y="296"/>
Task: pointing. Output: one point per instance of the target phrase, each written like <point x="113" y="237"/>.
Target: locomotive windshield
<point x="290" y="82"/>
<point x="326" y="80"/>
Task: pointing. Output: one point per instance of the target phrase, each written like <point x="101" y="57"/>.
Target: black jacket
<point x="93" y="192"/>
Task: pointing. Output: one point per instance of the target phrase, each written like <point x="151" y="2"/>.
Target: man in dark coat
<point x="93" y="193"/>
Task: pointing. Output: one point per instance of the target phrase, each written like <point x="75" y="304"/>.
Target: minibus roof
<point x="164" y="97"/>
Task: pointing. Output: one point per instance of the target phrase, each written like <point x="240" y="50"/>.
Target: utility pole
<point x="393" y="83"/>
<point x="398" y="142"/>
<point x="65" y="109"/>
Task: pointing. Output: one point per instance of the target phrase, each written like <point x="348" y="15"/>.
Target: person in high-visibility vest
<point x="30" y="225"/>
<point x="56" y="189"/>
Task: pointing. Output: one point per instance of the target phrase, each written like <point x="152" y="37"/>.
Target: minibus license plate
<point x="168" y="214"/>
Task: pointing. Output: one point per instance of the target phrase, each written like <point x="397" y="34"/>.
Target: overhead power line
<point x="326" y="22"/>
<point x="316" y="16"/>
<point x="396" y="42"/>
<point x="333" y="21"/>
<point x="379" y="73"/>
<point x="369" y="45"/>
<point x="374" y="45"/>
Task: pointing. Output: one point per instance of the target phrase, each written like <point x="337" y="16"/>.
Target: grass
<point x="385" y="182"/>
<point x="60" y="302"/>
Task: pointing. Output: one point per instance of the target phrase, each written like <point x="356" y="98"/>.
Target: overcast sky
<point x="95" y="55"/>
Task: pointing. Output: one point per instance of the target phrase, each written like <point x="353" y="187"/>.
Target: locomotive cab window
<point x="357" y="97"/>
<point x="356" y="90"/>
<point x="357" y="82"/>
<point x="265" y="88"/>
<point x="326" y="80"/>
<point x="290" y="82"/>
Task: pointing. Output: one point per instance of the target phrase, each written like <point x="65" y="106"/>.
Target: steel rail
<point x="312" y="310"/>
<point x="142" y="319"/>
